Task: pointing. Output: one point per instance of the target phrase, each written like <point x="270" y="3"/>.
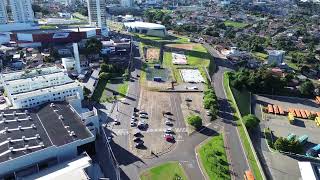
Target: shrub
<point x="250" y="121"/>
<point x="293" y="146"/>
<point x="195" y="121"/>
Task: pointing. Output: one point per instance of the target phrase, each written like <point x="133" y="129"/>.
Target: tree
<point x="250" y="121"/>
<point x="195" y="121"/>
<point x="93" y="46"/>
<point x="104" y="76"/>
<point x="283" y="144"/>
<point x="307" y="88"/>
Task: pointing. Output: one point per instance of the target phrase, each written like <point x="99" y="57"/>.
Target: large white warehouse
<point x="150" y="29"/>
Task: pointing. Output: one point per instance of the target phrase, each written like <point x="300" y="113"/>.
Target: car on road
<point x="192" y="88"/>
<point x="133" y="124"/>
<point x="116" y="122"/>
<point x="168" y="137"/>
<point x="142" y="125"/>
<point x="144" y="116"/>
<point x="169" y="123"/>
<point x="168" y="131"/>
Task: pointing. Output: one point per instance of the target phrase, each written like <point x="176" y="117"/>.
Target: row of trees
<point x="109" y="71"/>
<point x="154" y="15"/>
<point x="283" y="144"/>
<point x="210" y="102"/>
<point x="263" y="81"/>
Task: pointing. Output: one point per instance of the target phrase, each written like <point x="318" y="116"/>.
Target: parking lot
<point x="156" y="104"/>
<point x="282" y="166"/>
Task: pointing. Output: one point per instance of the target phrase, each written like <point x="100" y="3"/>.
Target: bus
<point x="312" y="152"/>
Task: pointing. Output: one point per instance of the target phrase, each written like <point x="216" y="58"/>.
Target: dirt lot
<point x="153" y="54"/>
<point x="182" y="46"/>
<point x="154" y="103"/>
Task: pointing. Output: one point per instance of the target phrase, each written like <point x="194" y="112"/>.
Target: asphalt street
<point x="235" y="152"/>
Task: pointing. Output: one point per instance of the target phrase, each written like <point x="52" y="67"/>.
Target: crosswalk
<point x="123" y="132"/>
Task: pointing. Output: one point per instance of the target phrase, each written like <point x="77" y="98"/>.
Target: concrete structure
<point x="309" y="171"/>
<point x="191" y="76"/>
<point x="36" y="139"/>
<point x="33" y="91"/>
<point x="127" y="3"/>
<point x="76" y="58"/>
<point x="150" y="29"/>
<point x="97" y="13"/>
<point x="22" y="11"/>
<point x="179" y="59"/>
<point x="3" y="13"/>
<point x="276" y="56"/>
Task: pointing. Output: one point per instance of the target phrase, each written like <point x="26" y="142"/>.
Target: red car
<point x="168" y="137"/>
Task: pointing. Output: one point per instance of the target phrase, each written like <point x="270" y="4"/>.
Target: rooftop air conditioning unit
<point x="6" y="129"/>
<point x="72" y="133"/>
<point x="33" y="126"/>
<point x="38" y="136"/>
<point x="41" y="144"/>
<point x="23" y="138"/>
<point x="60" y="117"/>
<point x="17" y="119"/>
<point x="20" y="127"/>
<point x="29" y="118"/>
<point x="26" y="111"/>
<point x="9" y="140"/>
<point x="26" y="146"/>
<point x="14" y="113"/>
<point x="11" y="149"/>
<point x="52" y="105"/>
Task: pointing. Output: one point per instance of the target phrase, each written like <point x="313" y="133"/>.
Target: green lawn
<point x="48" y="27"/>
<point x="260" y="56"/>
<point x="234" y="24"/>
<point x="243" y="101"/>
<point x="213" y="158"/>
<point x="167" y="171"/>
<point x="100" y="93"/>
<point x="246" y="144"/>
<point x="123" y="88"/>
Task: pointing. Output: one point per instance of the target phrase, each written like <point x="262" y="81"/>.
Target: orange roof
<point x="248" y="175"/>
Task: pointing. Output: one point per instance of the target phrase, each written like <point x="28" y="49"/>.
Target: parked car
<point x="169" y="123"/>
<point x="137" y="134"/>
<point x="143" y="112"/>
<point x="137" y="139"/>
<point x="135" y="109"/>
<point x="168" y="137"/>
<point x="144" y="116"/>
<point x="2" y="100"/>
<point x="139" y="144"/>
<point x="132" y="124"/>
<point x="192" y="88"/>
<point x="168" y="131"/>
<point x="314" y="151"/>
<point x="116" y="122"/>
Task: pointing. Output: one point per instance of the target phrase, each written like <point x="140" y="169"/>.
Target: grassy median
<point x="246" y="144"/>
<point x="171" y="170"/>
<point x="214" y="159"/>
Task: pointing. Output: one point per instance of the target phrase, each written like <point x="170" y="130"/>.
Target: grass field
<point x="234" y="24"/>
<point x="213" y="158"/>
<point x="260" y="56"/>
<point x="246" y="144"/>
<point x="123" y="88"/>
<point x="100" y="93"/>
<point x="167" y="171"/>
<point x="243" y="101"/>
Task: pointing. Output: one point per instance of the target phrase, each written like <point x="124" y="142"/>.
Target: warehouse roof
<point x="26" y="131"/>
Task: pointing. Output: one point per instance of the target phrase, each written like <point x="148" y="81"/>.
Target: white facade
<point x="150" y="29"/>
<point x="276" y="56"/>
<point x="126" y="3"/>
<point x="22" y="11"/>
<point x="3" y="13"/>
<point x="97" y="13"/>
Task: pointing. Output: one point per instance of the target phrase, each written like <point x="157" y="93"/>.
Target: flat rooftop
<point x="30" y="130"/>
<point x="139" y="24"/>
<point x="50" y="31"/>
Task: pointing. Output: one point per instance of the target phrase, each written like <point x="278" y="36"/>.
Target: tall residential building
<point x="97" y="13"/>
<point x="126" y="3"/>
<point x="22" y="11"/>
<point x="3" y="12"/>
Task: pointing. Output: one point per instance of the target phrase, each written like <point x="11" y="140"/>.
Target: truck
<point x="312" y="152"/>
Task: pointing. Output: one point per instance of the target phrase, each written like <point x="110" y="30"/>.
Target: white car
<point x="168" y="131"/>
<point x="169" y="123"/>
<point x="132" y="124"/>
<point x="143" y="116"/>
<point x="192" y="88"/>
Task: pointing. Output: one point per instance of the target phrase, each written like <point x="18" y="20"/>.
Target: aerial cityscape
<point x="160" y="89"/>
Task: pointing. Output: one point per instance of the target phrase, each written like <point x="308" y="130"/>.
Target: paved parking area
<point x="281" y="166"/>
<point x="155" y="103"/>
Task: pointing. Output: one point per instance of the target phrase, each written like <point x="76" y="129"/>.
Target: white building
<point x="35" y="140"/>
<point x="126" y="3"/>
<point x="34" y="91"/>
<point x="3" y="13"/>
<point x="276" y="56"/>
<point x="22" y="11"/>
<point x="97" y="12"/>
<point x="150" y="29"/>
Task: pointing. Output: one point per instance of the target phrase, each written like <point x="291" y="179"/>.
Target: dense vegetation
<point x="283" y="144"/>
<point x="250" y="121"/>
<point x="195" y="121"/>
<point x="210" y="102"/>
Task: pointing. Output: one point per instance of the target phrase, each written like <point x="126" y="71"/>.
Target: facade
<point x="35" y="140"/>
<point x="3" y="13"/>
<point x="126" y="3"/>
<point x="22" y="11"/>
<point x="276" y="56"/>
<point x="150" y="29"/>
<point x="34" y="91"/>
<point x="97" y="13"/>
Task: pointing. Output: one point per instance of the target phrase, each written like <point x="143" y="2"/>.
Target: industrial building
<point x="150" y="29"/>
<point x="33" y="140"/>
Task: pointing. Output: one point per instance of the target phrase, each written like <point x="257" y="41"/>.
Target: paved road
<point x="236" y="156"/>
